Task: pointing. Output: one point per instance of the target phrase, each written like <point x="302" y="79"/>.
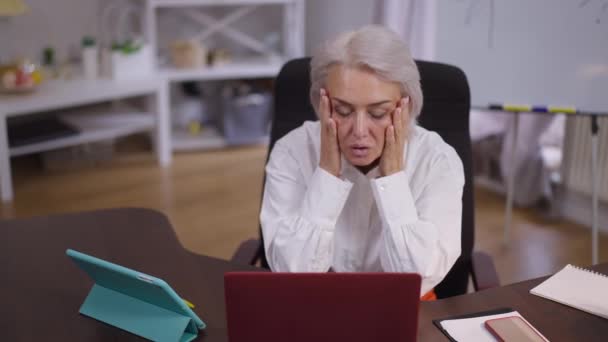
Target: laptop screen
<point x="327" y="306"/>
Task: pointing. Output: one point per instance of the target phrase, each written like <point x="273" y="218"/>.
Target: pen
<point x="190" y="305"/>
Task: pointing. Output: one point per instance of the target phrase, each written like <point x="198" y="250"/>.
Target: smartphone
<point x="513" y="328"/>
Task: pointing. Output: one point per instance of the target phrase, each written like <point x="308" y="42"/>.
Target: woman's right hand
<point x="330" y="151"/>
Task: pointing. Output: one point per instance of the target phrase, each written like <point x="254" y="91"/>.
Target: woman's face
<point x="362" y="105"/>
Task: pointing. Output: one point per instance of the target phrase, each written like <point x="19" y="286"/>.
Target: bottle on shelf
<point x="90" y="60"/>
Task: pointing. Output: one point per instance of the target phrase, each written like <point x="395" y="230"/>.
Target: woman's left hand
<point x="391" y="160"/>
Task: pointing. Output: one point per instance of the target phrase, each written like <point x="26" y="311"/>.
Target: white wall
<point x="57" y="23"/>
<point x="326" y="18"/>
<point x="62" y="23"/>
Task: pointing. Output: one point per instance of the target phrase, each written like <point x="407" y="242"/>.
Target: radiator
<point x="576" y="164"/>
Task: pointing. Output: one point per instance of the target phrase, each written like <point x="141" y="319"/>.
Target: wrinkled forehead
<point x="360" y="86"/>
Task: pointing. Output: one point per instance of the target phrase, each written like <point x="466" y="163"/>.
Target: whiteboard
<point x="532" y="52"/>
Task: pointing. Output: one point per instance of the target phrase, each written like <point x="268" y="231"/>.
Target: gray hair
<point x="375" y="48"/>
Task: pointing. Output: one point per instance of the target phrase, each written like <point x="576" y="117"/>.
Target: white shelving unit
<point x="94" y="124"/>
<point x="254" y="68"/>
<point x="191" y="3"/>
<point x="56" y="95"/>
<point x="99" y="125"/>
<point x="267" y="64"/>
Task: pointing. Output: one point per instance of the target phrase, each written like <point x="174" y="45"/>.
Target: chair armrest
<point x="247" y="252"/>
<point x="484" y="273"/>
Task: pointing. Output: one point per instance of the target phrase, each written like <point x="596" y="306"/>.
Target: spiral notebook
<point x="577" y="287"/>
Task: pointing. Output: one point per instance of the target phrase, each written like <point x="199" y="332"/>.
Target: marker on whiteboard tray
<point x="510" y="107"/>
<point x="566" y="110"/>
<point x="535" y="109"/>
<point x="554" y="109"/>
<point x="517" y="108"/>
<point x="540" y="109"/>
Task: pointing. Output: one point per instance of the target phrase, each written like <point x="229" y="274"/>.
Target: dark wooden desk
<point x="41" y="289"/>
<point x="557" y="322"/>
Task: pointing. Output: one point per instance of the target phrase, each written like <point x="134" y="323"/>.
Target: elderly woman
<point x="364" y="189"/>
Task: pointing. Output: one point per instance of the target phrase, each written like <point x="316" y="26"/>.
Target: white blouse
<point x="406" y="222"/>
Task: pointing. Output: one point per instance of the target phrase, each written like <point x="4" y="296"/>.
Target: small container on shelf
<point x="246" y="115"/>
<point x="218" y="57"/>
<point x="189" y="113"/>
<point x="130" y="59"/>
<point x="188" y="54"/>
<point x="90" y="58"/>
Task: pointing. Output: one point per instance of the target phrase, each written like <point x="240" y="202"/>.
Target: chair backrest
<point x="445" y="110"/>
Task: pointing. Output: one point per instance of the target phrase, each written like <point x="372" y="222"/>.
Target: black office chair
<point x="445" y="111"/>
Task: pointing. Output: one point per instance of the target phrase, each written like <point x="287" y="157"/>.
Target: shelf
<point x="93" y="126"/>
<point x="254" y="68"/>
<point x="209" y="138"/>
<point x="57" y="94"/>
<point x="189" y="3"/>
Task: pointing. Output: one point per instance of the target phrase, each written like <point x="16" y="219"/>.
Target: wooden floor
<point x="213" y="198"/>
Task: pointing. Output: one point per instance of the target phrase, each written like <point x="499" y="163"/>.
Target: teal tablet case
<point x="136" y="302"/>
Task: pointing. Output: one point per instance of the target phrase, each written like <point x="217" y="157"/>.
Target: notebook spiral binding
<point x="589" y="271"/>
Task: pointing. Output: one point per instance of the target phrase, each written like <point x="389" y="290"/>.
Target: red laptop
<point x="313" y="307"/>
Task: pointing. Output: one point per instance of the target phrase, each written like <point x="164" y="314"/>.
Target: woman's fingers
<point x="324" y="106"/>
<point x="392" y="156"/>
<point x="330" y="152"/>
<point x="390" y="161"/>
<point x="328" y="123"/>
<point x="402" y="118"/>
<point x="389" y="144"/>
<point x="332" y="130"/>
<point x="398" y="124"/>
<point x="405" y="110"/>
